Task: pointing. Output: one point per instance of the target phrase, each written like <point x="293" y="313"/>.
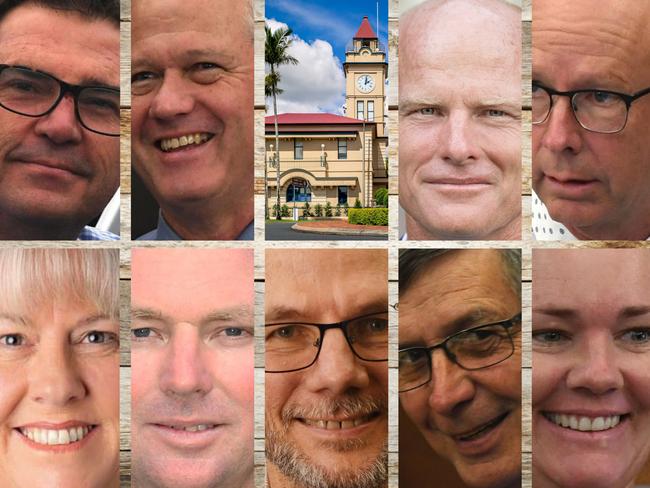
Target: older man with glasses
<point x="591" y="120"/>
<point x="59" y="117"/>
<point x="460" y="359"/>
<point x="326" y="352"/>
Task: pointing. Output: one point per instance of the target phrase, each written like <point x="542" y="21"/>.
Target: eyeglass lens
<point x="294" y="346"/>
<point x="598" y="111"/>
<point x="34" y="94"/>
<point x="475" y="348"/>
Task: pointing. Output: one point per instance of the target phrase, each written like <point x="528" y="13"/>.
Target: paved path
<point x="282" y="231"/>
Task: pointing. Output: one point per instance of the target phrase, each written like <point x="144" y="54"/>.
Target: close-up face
<point x="192" y="88"/>
<point x="595" y="184"/>
<point x="59" y="402"/>
<point x="460" y="121"/>
<point x="192" y="368"/>
<point x="591" y="367"/>
<point x="472" y="418"/>
<point x="51" y="168"/>
<point x="327" y="424"/>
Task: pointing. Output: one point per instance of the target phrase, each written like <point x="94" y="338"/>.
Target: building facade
<point x="332" y="158"/>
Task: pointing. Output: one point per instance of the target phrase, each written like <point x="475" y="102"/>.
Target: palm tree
<point x="276" y="54"/>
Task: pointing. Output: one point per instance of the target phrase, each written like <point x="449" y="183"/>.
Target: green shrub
<point x="368" y="216"/>
<point x="275" y="209"/>
<point x="284" y="211"/>
<point x="318" y="210"/>
<point x="346" y="208"/>
<point x="338" y="210"/>
<point x="357" y="204"/>
<point x="381" y="197"/>
<point x="306" y="210"/>
<point x="328" y="209"/>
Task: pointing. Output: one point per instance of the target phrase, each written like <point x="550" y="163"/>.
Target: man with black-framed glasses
<point x="326" y="382"/>
<point x="59" y="117"/>
<point x="460" y="363"/>
<point x="591" y="120"/>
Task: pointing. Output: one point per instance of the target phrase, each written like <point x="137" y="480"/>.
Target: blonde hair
<point x="30" y="277"/>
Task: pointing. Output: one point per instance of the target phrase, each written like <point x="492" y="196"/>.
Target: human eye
<point x="230" y="336"/>
<point x="145" y="335"/>
<point x="205" y="72"/>
<point x="604" y="98"/>
<point x="283" y="332"/>
<point x="12" y="340"/>
<point x="430" y="112"/>
<point x="636" y="338"/>
<point x="143" y="82"/>
<point x="99" y="337"/>
<point x="550" y="339"/>
<point x="411" y="356"/>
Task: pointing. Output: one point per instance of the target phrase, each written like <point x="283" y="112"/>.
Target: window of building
<point x="343" y="149"/>
<point x="371" y="110"/>
<point x="343" y="194"/>
<point x="360" y="109"/>
<point x="298" y="191"/>
<point x="297" y="149"/>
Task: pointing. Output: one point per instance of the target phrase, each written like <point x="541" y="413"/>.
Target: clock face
<point x="365" y="83"/>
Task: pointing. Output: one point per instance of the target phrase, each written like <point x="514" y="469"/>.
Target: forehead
<point x="173" y="26"/>
<point x="586" y="280"/>
<point x="186" y="283"/>
<point x="326" y="282"/>
<point x="455" y="284"/>
<point x="435" y="38"/>
<point x="66" y="45"/>
<point x="611" y="48"/>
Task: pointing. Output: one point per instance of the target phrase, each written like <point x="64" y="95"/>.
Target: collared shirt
<point x="547" y="229"/>
<point x="93" y="234"/>
<point x="165" y="233"/>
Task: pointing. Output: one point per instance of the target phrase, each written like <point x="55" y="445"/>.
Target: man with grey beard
<point x="327" y="378"/>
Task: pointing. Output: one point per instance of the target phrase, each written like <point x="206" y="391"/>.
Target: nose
<point x="596" y="369"/>
<point x="561" y="132"/>
<point x="458" y="142"/>
<point x="451" y="387"/>
<point x="61" y="125"/>
<point x="185" y="372"/>
<point x="55" y="380"/>
<point x="337" y="369"/>
<point x="172" y="98"/>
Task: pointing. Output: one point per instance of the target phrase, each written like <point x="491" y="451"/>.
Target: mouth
<point x="339" y="424"/>
<point x="56" y="437"/>
<point x="186" y="141"/>
<point x="584" y="423"/>
<point x="459" y="181"/>
<point x="482" y="430"/>
<point x="189" y="428"/>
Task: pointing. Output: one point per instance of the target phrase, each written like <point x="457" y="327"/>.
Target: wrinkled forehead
<point x="614" y="38"/>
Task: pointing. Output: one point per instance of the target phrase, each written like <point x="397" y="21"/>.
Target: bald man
<point x="591" y="158"/>
<point x="460" y="120"/>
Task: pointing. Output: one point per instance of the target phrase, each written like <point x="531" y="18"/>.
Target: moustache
<point x="346" y="406"/>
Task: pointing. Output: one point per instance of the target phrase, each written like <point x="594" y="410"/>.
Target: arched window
<point x="298" y="191"/>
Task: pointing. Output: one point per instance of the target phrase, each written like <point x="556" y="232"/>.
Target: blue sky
<point x="322" y="30"/>
<point x="335" y="21"/>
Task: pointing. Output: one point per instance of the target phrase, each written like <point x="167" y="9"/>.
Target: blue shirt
<point x="93" y="234"/>
<point x="165" y="233"/>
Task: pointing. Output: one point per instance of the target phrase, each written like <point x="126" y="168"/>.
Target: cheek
<point x="102" y="378"/>
<point x="13" y="389"/>
<point x="547" y="376"/>
<point x="416" y="406"/>
<point x="144" y="375"/>
<point x="279" y="388"/>
<point x="235" y="372"/>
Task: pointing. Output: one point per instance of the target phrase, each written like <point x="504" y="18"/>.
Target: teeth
<point x="182" y="141"/>
<point x="56" y="437"/>
<point x="193" y="428"/>
<point x="584" y="424"/>
<point x="336" y="425"/>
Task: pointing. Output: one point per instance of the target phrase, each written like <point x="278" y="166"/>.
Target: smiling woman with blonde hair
<point x="59" y="367"/>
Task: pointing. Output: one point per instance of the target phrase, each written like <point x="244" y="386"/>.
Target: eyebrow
<point x="280" y="313"/>
<point x="561" y="313"/>
<point x="635" y="311"/>
<point x="243" y="312"/>
<point x="16" y="319"/>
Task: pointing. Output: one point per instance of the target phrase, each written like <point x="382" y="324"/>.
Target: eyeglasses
<point x="471" y="349"/>
<point x="34" y="94"/>
<point x="292" y="346"/>
<point x="595" y="110"/>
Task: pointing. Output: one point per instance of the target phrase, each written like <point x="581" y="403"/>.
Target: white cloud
<point x="316" y="83"/>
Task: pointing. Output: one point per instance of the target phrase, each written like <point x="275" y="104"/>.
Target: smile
<point x="174" y="143"/>
<point x="56" y="437"/>
<point x="482" y="429"/>
<point x="585" y="424"/>
<point x="192" y="428"/>
<point x="336" y="424"/>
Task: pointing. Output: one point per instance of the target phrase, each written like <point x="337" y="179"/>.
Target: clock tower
<point x="365" y="71"/>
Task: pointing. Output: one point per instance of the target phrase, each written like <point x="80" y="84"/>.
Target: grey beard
<point x="293" y="464"/>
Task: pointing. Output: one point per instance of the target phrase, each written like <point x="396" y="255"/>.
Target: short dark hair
<point x="412" y="262"/>
<point x="92" y="9"/>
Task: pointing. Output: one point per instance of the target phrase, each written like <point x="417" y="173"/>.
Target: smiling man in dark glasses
<point x="59" y="117"/>
<point x="460" y="358"/>
<point x="591" y="119"/>
<point x="326" y="352"/>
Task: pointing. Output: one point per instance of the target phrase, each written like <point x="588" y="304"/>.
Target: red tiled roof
<point x="365" y="30"/>
<point x="313" y="118"/>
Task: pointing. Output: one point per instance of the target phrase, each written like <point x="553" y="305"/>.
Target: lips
<point x="584" y="423"/>
<point x="458" y="181"/>
<point x="480" y="430"/>
<point x="178" y="142"/>
<point x="191" y="427"/>
<point x="338" y="424"/>
<point x="55" y="437"/>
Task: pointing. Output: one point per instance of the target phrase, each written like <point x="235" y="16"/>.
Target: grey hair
<point x="412" y="262"/>
<point x="30" y="277"/>
<point x="91" y="9"/>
